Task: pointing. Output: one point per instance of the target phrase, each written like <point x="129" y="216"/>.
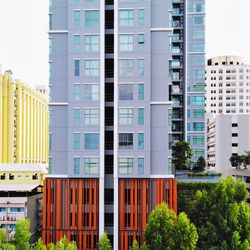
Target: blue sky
<point x="24" y="45"/>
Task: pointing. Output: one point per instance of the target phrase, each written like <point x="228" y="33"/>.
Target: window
<point x="92" y="18"/>
<point x="141" y="17"/>
<point x="141" y="67"/>
<point x="76" y="19"/>
<point x="234" y="125"/>
<point x="92" y="68"/>
<point x="76" y="141"/>
<point x="198" y="153"/>
<point x="91" y="141"/>
<point x="141" y="41"/>
<point x="91" y="116"/>
<point x="198" y="139"/>
<point x="126" y="67"/>
<point x="198" y="126"/>
<point x="77" y="117"/>
<point x="125" y="92"/>
<point x="91" y="165"/>
<point x="198" y="74"/>
<point x="76" y="165"/>
<point x="91" y="92"/>
<point x="198" y="113"/>
<point x="126" y="18"/>
<point x="198" y="47"/>
<point x="234" y="134"/>
<point x="50" y="21"/>
<point x="77" y="43"/>
<point x="126" y="42"/>
<point x="198" y="20"/>
<point x="234" y="144"/>
<point x="141" y="91"/>
<point x="140" y="141"/>
<point x="125" y="165"/>
<point x="50" y="141"/>
<point x="125" y="140"/>
<point x="140" y="116"/>
<point x="17" y="209"/>
<point x="50" y="165"/>
<point x="198" y="34"/>
<point x="199" y="7"/>
<point x="188" y="113"/>
<point x="2" y="177"/>
<point x="188" y="126"/>
<point x="140" y="166"/>
<point x="2" y="210"/>
<point x="77" y="67"/>
<point x="199" y="87"/>
<point x="198" y="100"/>
<point x="92" y="43"/>
<point x="50" y="45"/>
<point x="188" y="100"/>
<point x="125" y="116"/>
<point x="76" y="92"/>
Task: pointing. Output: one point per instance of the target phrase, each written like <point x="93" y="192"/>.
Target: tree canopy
<point x="104" y="243"/>
<point x="167" y="231"/>
<point x="222" y="216"/>
<point x="182" y="154"/>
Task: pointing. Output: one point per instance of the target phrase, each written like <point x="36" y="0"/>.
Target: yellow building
<point x="23" y="123"/>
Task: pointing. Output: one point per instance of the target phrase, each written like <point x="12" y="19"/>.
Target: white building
<point x="226" y="135"/>
<point x="227" y="85"/>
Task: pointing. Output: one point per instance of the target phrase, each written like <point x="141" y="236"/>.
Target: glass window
<point x="198" y="20"/>
<point x="199" y="74"/>
<point x="198" y="139"/>
<point x="140" y="166"/>
<point x="92" y="68"/>
<point x="126" y="67"/>
<point x="141" y="41"/>
<point x="125" y="92"/>
<point x="141" y="67"/>
<point x="199" y="7"/>
<point x="198" y="34"/>
<point x="198" y="153"/>
<point x="50" y="45"/>
<point x="188" y="100"/>
<point x="76" y="165"/>
<point x="50" y="165"/>
<point x="77" y="67"/>
<point x="91" y="92"/>
<point x="125" y="116"/>
<point x="198" y="47"/>
<point x="17" y="209"/>
<point x="77" y="92"/>
<point x="91" y="141"/>
<point x="77" y="43"/>
<point x="126" y="42"/>
<point x="50" y="21"/>
<point x="188" y="126"/>
<point x="188" y="113"/>
<point x="91" y="165"/>
<point x="2" y="209"/>
<point x="141" y="91"/>
<point x="125" y="140"/>
<point x="199" y="126"/>
<point x="140" y="141"/>
<point x="140" y="116"/>
<point x="76" y="19"/>
<point x="198" y="113"/>
<point x="198" y="100"/>
<point x="126" y="18"/>
<point x="92" y="43"/>
<point x="125" y="165"/>
<point x="77" y="117"/>
<point x="91" y="116"/>
<point x="92" y="18"/>
<point x="199" y="87"/>
<point x="76" y="141"/>
<point x="141" y="17"/>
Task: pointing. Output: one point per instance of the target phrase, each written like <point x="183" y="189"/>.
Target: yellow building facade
<point x="23" y="123"/>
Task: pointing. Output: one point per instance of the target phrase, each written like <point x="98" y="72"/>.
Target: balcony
<point x="177" y="12"/>
<point x="176" y="90"/>
<point x="177" y="24"/>
<point x="176" y="50"/>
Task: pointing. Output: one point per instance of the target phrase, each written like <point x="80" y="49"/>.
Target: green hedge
<point x="186" y="192"/>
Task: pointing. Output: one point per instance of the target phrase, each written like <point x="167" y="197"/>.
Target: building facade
<point x="227" y="135"/>
<point x="227" y="85"/>
<point x="118" y="89"/>
<point x="23" y="154"/>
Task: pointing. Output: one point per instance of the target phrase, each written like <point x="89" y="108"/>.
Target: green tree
<point x="104" y="243"/>
<point x="186" y="234"/>
<point x="163" y="232"/>
<point x="64" y="244"/>
<point x="39" y="245"/>
<point x="200" y="164"/>
<point x="245" y="159"/>
<point x="182" y="154"/>
<point x="8" y="246"/>
<point x="3" y="237"/>
<point x="22" y="235"/>
<point x="236" y="161"/>
<point x="51" y="246"/>
<point x="221" y="216"/>
<point x="135" y="246"/>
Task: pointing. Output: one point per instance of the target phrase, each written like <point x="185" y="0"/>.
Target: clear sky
<point x="24" y="44"/>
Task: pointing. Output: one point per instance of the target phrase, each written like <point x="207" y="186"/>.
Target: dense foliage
<point x="182" y="154"/>
<point x="222" y="216"/>
<point x="187" y="190"/>
<point x="167" y="231"/>
<point x="239" y="161"/>
<point x="200" y="164"/>
<point x="104" y="243"/>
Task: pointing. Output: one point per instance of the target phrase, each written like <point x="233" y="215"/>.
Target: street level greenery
<point x="240" y="161"/>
